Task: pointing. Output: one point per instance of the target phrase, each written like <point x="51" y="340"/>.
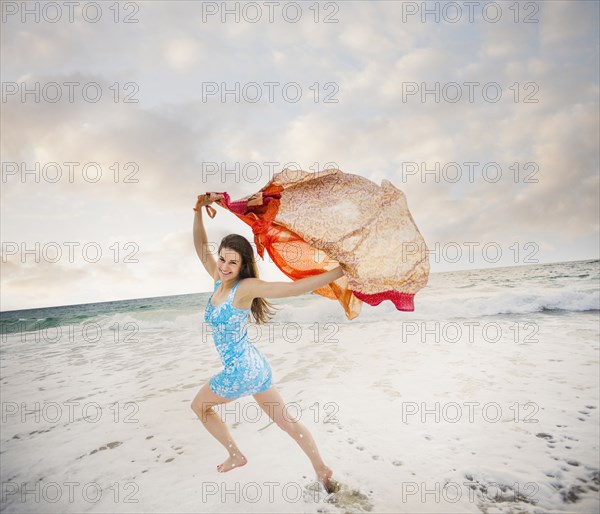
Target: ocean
<point x="544" y="288"/>
<point x="485" y="398"/>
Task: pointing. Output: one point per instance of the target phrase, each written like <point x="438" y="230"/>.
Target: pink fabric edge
<point x="402" y="301"/>
<point x="241" y="207"/>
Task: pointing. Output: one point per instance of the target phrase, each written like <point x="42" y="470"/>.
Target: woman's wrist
<point x="335" y="273"/>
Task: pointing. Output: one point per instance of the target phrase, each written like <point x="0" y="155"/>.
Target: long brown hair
<point x="261" y="309"/>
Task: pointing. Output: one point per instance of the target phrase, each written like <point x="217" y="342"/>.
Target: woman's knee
<point x="203" y="409"/>
<point x="200" y="405"/>
<point x="291" y="427"/>
<point x="197" y="406"/>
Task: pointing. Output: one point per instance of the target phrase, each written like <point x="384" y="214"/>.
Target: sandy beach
<point x="414" y="412"/>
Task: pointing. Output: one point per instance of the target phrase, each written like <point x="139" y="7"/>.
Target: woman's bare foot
<point x="324" y="476"/>
<point x="234" y="461"/>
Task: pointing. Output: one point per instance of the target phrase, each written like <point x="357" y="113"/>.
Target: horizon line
<point x="200" y="292"/>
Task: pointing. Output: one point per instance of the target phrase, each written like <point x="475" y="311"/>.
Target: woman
<point x="239" y="291"/>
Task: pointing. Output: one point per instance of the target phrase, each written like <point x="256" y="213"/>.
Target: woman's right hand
<point x="206" y="199"/>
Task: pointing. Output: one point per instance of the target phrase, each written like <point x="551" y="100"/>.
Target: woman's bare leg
<point x="272" y="403"/>
<point x="203" y="405"/>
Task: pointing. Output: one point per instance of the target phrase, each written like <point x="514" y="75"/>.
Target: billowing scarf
<point x="310" y="223"/>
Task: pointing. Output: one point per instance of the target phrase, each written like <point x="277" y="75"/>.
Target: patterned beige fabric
<point x="368" y="227"/>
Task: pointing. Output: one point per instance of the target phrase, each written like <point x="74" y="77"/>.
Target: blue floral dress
<point x="246" y="371"/>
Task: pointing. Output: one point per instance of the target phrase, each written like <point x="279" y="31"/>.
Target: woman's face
<point x="229" y="264"/>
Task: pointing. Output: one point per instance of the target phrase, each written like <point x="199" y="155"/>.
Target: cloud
<point x="183" y="53"/>
<point x="171" y="133"/>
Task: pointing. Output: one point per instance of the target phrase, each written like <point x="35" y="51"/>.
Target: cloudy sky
<point x="502" y="102"/>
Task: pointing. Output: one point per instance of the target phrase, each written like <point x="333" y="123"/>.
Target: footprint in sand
<point x="340" y="495"/>
<point x="346" y="498"/>
<point x="108" y="446"/>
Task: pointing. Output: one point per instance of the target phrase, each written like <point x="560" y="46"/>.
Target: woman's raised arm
<point x="200" y="238"/>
